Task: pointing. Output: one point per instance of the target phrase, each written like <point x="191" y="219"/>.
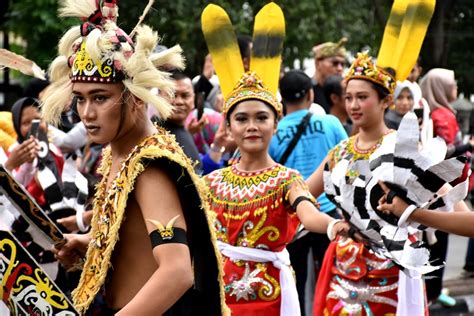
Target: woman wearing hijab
<point x="23" y="161"/>
<point x="439" y="88"/>
<point x="405" y="97"/>
<point x="22" y="156"/>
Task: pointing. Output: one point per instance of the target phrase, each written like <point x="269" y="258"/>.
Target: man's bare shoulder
<point x="154" y="176"/>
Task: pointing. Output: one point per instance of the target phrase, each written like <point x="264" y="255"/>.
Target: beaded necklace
<point x="364" y="153"/>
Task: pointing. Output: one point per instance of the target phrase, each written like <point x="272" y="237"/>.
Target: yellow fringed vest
<point x="109" y="210"/>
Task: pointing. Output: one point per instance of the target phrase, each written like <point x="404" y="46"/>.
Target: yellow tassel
<point x="222" y="44"/>
<point x="268" y="37"/>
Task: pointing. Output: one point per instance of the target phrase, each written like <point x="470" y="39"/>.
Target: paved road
<point x="460" y="287"/>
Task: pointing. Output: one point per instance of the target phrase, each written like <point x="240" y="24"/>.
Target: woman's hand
<point x="341" y="228"/>
<point x="208" y="67"/>
<point x="390" y="202"/>
<point x="223" y="139"/>
<point x="73" y="250"/>
<point x="24" y="152"/>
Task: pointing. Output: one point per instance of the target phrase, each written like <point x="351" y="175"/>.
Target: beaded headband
<point x="250" y="87"/>
<point x="364" y="68"/>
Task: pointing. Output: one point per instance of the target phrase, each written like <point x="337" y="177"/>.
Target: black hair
<point x="333" y="85"/>
<point x="418" y="61"/>
<point x="244" y="42"/>
<point x="123" y="109"/>
<point x="179" y="75"/>
<point x="391" y="71"/>
<point x="294" y="101"/>
<point x="34" y="88"/>
<point x="381" y="91"/>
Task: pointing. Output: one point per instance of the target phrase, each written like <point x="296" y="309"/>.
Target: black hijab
<point x="17" y="110"/>
<point x="46" y="162"/>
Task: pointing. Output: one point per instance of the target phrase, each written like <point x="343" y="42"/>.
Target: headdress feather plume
<point x="222" y="44"/>
<point x="268" y="37"/>
<point x="171" y="56"/>
<point x="14" y="61"/>
<point x="77" y="8"/>
<point x="142" y="17"/>
<point x="402" y="41"/>
<point x="98" y="40"/>
<point x="392" y="31"/>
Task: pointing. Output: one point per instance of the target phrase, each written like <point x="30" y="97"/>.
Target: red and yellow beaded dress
<point x="252" y="210"/>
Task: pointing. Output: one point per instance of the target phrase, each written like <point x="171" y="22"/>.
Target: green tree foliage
<point x="308" y="22"/>
<point x="37" y="22"/>
<point x="450" y="41"/>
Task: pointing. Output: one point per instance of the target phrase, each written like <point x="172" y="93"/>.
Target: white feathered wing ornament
<point x="11" y="60"/>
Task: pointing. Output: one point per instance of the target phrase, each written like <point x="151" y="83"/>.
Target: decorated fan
<point x="420" y="176"/>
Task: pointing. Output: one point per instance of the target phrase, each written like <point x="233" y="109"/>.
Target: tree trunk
<point x="437" y="39"/>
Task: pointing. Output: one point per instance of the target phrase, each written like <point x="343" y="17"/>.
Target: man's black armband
<point x="173" y="235"/>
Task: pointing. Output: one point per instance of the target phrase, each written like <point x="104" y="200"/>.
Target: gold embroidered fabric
<point x="252" y="210"/>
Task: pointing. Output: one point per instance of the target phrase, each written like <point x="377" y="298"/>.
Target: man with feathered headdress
<point x="148" y="187"/>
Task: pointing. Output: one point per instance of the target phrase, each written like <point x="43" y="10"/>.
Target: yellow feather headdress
<point x="404" y="34"/>
<point x="261" y="82"/>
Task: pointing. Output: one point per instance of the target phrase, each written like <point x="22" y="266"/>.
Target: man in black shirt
<point x="183" y="104"/>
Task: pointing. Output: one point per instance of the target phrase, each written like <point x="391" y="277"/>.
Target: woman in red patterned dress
<point x="256" y="203"/>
